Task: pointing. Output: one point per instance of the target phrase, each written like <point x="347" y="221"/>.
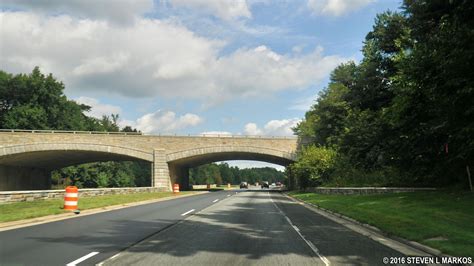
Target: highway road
<point x="219" y="228"/>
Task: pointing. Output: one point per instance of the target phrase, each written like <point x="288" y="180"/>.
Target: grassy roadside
<point x="25" y="210"/>
<point x="442" y="220"/>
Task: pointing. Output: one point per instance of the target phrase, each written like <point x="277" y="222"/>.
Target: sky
<point x="242" y="67"/>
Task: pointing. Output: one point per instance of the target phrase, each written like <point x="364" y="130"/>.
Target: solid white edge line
<point x="216" y="200"/>
<point x="309" y="243"/>
<point x="111" y="258"/>
<point x="188" y="212"/>
<point x="81" y="259"/>
<point x="228" y="195"/>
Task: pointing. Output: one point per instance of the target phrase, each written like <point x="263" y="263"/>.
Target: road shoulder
<point x="5" y="226"/>
<point x="407" y="247"/>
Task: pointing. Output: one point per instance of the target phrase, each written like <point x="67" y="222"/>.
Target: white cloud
<point x="261" y="71"/>
<point x="252" y="129"/>
<point x="336" y="7"/>
<point x="121" y="12"/>
<point x="163" y="122"/>
<point x="98" y="109"/>
<point x="303" y="104"/>
<point x="224" y="9"/>
<point x="273" y="128"/>
<point x="151" y="58"/>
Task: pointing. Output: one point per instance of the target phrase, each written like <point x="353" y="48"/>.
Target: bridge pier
<point x="160" y="171"/>
<point x="166" y="174"/>
<point x="24" y="178"/>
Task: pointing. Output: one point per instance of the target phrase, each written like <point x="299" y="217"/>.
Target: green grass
<point x="26" y="210"/>
<point x="440" y="219"/>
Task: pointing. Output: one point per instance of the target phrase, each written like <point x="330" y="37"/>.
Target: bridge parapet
<point x="47" y="131"/>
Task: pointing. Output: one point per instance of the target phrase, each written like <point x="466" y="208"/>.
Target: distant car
<point x="273" y="184"/>
<point x="244" y="185"/>
<point x="278" y="184"/>
<point x="265" y="184"/>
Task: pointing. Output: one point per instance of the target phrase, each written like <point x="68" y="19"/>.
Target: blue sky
<point x="189" y="67"/>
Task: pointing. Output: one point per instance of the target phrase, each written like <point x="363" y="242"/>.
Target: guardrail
<point x="142" y="134"/>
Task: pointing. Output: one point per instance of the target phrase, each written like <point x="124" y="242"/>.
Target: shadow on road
<point x="251" y="226"/>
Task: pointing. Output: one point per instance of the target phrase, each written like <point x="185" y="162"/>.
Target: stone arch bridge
<point x="28" y="157"/>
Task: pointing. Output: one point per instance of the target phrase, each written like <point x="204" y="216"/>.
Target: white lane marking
<point x="228" y="195"/>
<point x="188" y="212"/>
<point x="111" y="258"/>
<point x="309" y="243"/>
<point x="216" y="200"/>
<point x="81" y="259"/>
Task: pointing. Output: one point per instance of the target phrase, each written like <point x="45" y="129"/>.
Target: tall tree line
<point x="404" y="115"/>
<point x="222" y="173"/>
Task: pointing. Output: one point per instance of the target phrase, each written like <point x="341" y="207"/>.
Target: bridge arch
<point x="51" y="155"/>
<point x="180" y="162"/>
<point x="199" y="156"/>
<point x="28" y="166"/>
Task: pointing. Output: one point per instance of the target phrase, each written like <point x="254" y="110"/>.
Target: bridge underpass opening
<point x="180" y="169"/>
<point x="33" y="170"/>
<point x="235" y="172"/>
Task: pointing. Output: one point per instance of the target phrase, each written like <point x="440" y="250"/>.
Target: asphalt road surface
<point x="255" y="228"/>
<point x="63" y="242"/>
<point x="219" y="228"/>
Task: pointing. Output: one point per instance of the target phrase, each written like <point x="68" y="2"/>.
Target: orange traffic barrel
<point x="70" y="198"/>
<point x="176" y="188"/>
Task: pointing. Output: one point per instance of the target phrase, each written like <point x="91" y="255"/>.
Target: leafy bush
<point x="314" y="165"/>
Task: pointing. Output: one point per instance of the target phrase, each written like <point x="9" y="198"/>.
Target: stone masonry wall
<point x="364" y="190"/>
<point x="18" y="196"/>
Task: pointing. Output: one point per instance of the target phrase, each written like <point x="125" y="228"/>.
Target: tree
<point x="434" y="101"/>
<point x="222" y="173"/>
<point x="406" y="103"/>
<point x="37" y="101"/>
<point x="313" y="165"/>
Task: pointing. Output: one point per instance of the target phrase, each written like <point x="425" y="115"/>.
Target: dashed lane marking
<point x="81" y="259"/>
<point x="188" y="212"/>
<point x="309" y="243"/>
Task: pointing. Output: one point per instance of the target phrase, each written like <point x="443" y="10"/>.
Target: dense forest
<point x="37" y="101"/>
<point x="404" y="115"/>
<point x="223" y="174"/>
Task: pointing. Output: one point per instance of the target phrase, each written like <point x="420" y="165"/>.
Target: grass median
<point x="26" y="210"/>
<point x="440" y="219"/>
